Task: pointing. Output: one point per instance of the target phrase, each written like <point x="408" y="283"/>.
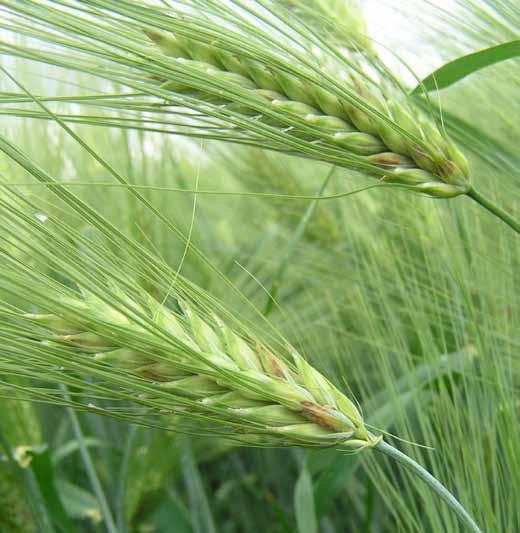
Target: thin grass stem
<point x="293" y="243"/>
<point x="121" y="482"/>
<point x="432" y="482"/>
<point x="89" y="467"/>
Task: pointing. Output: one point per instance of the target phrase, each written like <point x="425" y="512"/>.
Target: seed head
<point x="384" y="135"/>
<point x="223" y="374"/>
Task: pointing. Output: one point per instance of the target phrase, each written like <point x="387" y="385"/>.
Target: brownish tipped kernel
<point x="319" y="414"/>
<point x="153" y="35"/>
<point x="273" y="366"/>
<point x="446" y="168"/>
<point x="159" y="371"/>
<point x="390" y="159"/>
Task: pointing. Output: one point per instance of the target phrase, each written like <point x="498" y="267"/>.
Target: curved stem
<point x="495" y="209"/>
<point x="441" y="491"/>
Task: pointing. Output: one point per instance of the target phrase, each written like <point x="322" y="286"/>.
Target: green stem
<point x="441" y="491"/>
<point x="298" y="234"/>
<point x="89" y="467"/>
<point x="495" y="209"/>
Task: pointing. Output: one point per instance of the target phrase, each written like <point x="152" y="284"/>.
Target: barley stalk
<point x="220" y="374"/>
<point x="113" y="341"/>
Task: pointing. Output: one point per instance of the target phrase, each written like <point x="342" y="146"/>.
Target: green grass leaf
<point x="41" y="465"/>
<point x="172" y="511"/>
<point x="200" y="509"/>
<point x="465" y="65"/>
<point x="304" y="503"/>
<point x="78" y="502"/>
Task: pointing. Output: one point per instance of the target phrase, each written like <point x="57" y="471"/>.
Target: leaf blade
<point x="304" y="503"/>
<point x="465" y="65"/>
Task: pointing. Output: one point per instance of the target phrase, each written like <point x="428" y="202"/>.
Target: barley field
<point x="260" y="266"/>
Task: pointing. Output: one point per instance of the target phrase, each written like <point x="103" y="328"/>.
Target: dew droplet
<point x="42" y="217"/>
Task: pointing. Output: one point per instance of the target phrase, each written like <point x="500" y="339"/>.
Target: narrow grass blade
<point x="41" y="466"/>
<point x="91" y="471"/>
<point x="304" y="503"/>
<point x="78" y="502"/>
<point x="122" y="476"/>
<point x="35" y="500"/>
<point x="291" y="247"/>
<point x="202" y="518"/>
<point x="463" y="66"/>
